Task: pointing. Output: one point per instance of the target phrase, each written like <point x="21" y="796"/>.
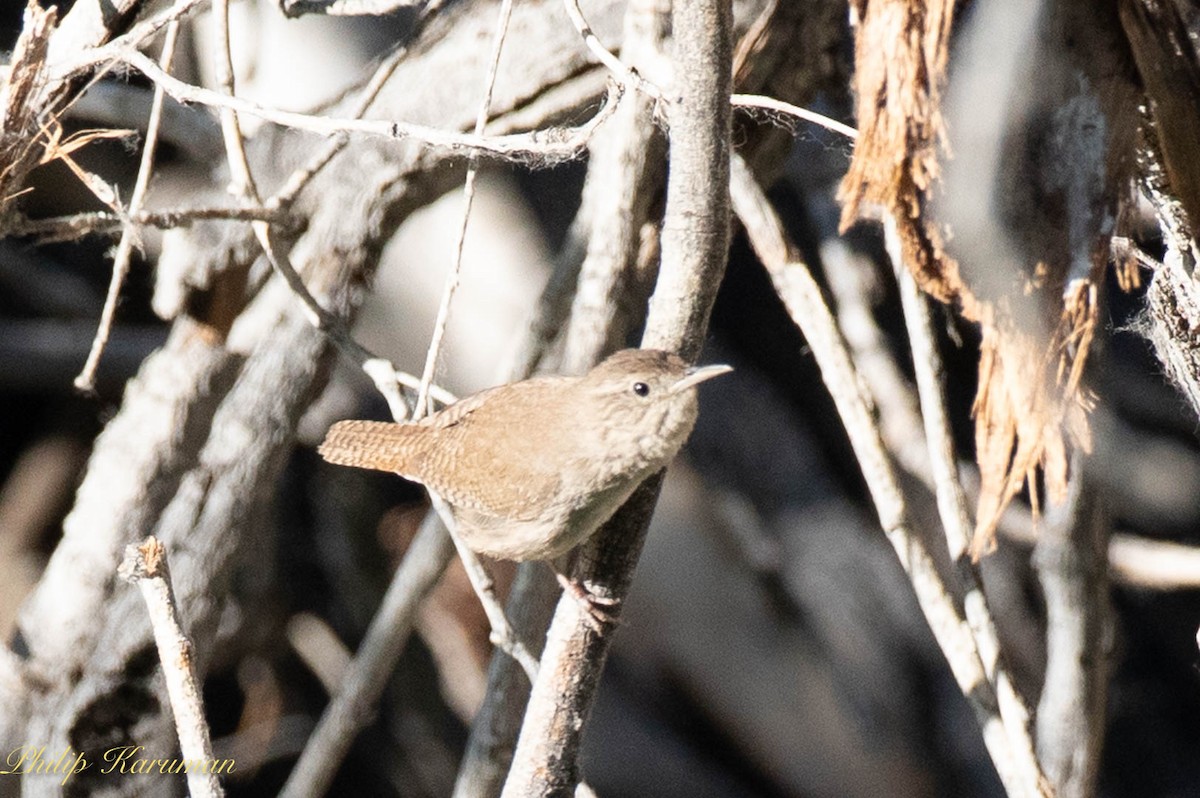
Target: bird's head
<point x="647" y="402"/>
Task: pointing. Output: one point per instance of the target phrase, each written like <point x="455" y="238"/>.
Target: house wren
<point x="531" y="469"/>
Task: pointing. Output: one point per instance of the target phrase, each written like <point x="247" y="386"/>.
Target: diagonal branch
<point x="350" y="708"/>
<point x="452" y="279"/>
<point x="956" y="518"/>
<point x="802" y="297"/>
<point x="87" y="378"/>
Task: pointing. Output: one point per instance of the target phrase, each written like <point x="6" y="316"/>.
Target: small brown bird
<point x="531" y="469"/>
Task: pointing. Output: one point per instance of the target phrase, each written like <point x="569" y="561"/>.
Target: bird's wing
<point x="387" y="446"/>
<point x="447" y="453"/>
<point x="505" y="472"/>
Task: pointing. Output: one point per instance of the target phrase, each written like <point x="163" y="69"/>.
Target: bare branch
<point x="625" y="172"/>
<point x="345" y="8"/>
<point x="536" y="148"/>
<point x="956" y="518"/>
<point x="626" y="76"/>
<point x="69" y="228"/>
<point x="758" y="102"/>
<point x="1153" y="564"/>
<point x="242" y="186"/>
<point x="318" y="647"/>
<point x="853" y="282"/>
<point x="146" y="566"/>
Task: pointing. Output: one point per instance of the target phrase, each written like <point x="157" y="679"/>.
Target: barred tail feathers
<point x="378" y="445"/>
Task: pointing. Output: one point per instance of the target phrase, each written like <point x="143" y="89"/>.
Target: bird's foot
<point x="598" y="611"/>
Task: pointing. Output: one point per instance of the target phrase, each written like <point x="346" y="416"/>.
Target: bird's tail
<point x="378" y="445"/>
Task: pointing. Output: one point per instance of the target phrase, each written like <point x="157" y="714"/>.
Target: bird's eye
<point x="641" y="389"/>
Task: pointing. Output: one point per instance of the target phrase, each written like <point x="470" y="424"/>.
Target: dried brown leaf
<point x="57" y="147"/>
<point x="1031" y="408"/>
<point x="901" y="51"/>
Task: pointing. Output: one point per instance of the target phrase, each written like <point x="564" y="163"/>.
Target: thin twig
<point x="853" y="282"/>
<point x="242" y="183"/>
<point x="757" y="101"/>
<point x="146" y="566"/>
<point x="625" y="173"/>
<point x="802" y="297"/>
<point x="627" y="76"/>
<point x="539" y="147"/>
<point x="956" y="518"/>
<point x="60" y="228"/>
<point x="452" y="279"/>
<point x="502" y="635"/>
<point x="86" y="381"/>
<point x="631" y="78"/>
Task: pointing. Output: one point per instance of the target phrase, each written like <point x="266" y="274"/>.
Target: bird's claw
<point x="598" y="611"/>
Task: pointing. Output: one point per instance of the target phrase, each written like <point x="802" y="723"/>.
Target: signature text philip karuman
<point x="34" y="760"/>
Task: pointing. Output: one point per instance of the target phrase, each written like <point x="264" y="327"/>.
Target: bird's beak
<point x="698" y="374"/>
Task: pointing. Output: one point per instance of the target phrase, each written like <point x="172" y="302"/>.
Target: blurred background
<point x="771" y="646"/>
